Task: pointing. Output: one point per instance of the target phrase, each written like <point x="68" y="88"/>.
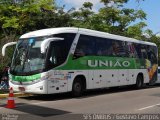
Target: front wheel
<point x="139" y="82"/>
<point x="77" y="88"/>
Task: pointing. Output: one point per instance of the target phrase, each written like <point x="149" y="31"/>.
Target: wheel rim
<point x="139" y="83"/>
<point x="77" y="87"/>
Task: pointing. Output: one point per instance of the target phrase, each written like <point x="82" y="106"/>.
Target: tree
<point x="23" y="16"/>
<point x="136" y="31"/>
<point x="20" y="17"/>
<point x="17" y="18"/>
<point x="117" y="18"/>
<point x="83" y="17"/>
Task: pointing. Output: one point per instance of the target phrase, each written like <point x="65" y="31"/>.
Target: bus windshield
<point x="27" y="58"/>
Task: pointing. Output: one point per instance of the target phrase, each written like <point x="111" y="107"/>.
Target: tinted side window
<point x="138" y="50"/>
<point x="131" y="50"/>
<point x="119" y="48"/>
<point x="103" y="47"/>
<point x="144" y="51"/>
<point x="85" y="46"/>
<point x="68" y="38"/>
<point x="58" y="50"/>
<point x="155" y="52"/>
<point x="57" y="54"/>
<point x="152" y="54"/>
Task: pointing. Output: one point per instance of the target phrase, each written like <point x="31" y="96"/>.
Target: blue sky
<point x="151" y="7"/>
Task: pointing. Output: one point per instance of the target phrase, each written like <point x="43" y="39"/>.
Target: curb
<point x="15" y="95"/>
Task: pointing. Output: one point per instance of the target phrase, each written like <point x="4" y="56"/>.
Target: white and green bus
<point x="68" y="59"/>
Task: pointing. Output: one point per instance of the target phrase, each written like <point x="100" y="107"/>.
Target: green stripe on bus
<point x="100" y="62"/>
<point x="25" y="78"/>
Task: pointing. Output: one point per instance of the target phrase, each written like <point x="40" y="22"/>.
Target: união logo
<point x="101" y="63"/>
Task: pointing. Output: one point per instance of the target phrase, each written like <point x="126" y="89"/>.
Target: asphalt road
<point x="97" y="104"/>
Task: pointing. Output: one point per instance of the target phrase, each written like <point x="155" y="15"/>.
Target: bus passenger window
<point x="144" y="51"/>
<point x="85" y="46"/>
<point x="81" y="51"/>
<point x="131" y="50"/>
<point x="138" y="50"/>
<point x="103" y="47"/>
<point x="119" y="49"/>
<point x="151" y="54"/>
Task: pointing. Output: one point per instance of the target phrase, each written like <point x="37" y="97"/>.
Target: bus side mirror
<point x="6" y="45"/>
<point x="46" y="42"/>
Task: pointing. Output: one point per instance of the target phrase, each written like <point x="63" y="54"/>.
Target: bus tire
<point x="77" y="87"/>
<point x="139" y="82"/>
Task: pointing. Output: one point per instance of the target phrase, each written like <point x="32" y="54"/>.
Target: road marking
<point x="151" y="106"/>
